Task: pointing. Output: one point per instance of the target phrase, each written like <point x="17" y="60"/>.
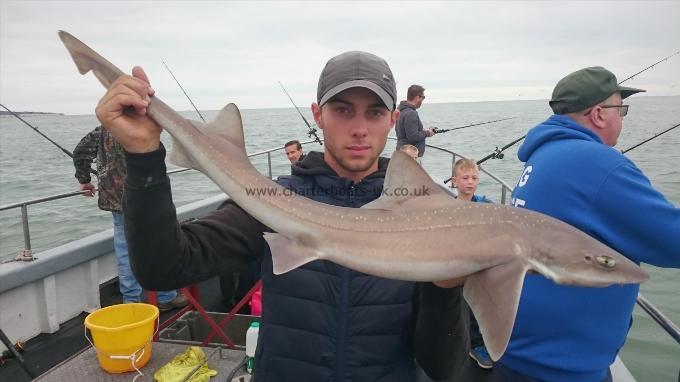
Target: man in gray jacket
<point x="409" y="128"/>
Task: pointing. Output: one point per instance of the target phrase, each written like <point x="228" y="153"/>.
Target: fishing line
<point x="184" y="91"/>
<point x="498" y="153"/>
<point x="439" y="131"/>
<point x="650" y="66"/>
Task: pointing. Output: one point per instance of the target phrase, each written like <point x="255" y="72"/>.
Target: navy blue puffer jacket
<point x="330" y="322"/>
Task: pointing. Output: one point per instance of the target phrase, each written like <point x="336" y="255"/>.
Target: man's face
<point x="293" y="153"/>
<point x="355" y="124"/>
<point x="419" y="100"/>
<point x="466" y="181"/>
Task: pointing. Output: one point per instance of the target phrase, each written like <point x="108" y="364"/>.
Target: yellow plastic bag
<point x="182" y="365"/>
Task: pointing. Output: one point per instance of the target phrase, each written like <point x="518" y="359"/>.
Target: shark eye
<point x="606" y="261"/>
<point x="588" y="258"/>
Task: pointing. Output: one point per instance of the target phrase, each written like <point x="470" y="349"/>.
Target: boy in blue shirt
<point x="466" y="179"/>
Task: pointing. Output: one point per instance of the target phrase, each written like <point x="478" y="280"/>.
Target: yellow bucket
<point x="122" y="335"/>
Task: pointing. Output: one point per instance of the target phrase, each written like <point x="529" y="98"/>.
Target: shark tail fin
<point x="288" y="254"/>
<point x="493" y="295"/>
<point x="87" y="59"/>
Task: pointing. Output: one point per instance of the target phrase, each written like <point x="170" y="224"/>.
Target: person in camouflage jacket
<point x="99" y="144"/>
<point x="111" y="174"/>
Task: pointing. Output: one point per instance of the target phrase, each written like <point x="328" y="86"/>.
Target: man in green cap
<point x="565" y="333"/>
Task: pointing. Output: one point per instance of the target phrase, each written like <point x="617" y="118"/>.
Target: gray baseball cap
<point x="357" y="69"/>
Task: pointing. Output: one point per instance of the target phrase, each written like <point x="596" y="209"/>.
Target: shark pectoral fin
<point x="179" y="156"/>
<point x="493" y="295"/>
<point x="288" y="254"/>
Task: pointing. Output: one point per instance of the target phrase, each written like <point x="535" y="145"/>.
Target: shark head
<point x="571" y="257"/>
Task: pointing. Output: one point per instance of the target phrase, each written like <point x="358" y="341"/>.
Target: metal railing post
<point x="24" y="223"/>
<point x="664" y="322"/>
<point x="269" y="163"/>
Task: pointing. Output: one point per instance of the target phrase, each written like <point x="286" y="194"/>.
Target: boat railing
<point x="505" y="188"/>
<point x="23" y="205"/>
<point x="664" y="322"/>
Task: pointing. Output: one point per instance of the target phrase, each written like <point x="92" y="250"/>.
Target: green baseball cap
<point x="585" y="88"/>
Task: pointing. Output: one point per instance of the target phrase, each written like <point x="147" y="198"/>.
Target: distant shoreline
<point x="29" y="113"/>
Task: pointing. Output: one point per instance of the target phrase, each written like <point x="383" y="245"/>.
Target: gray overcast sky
<point x="236" y="51"/>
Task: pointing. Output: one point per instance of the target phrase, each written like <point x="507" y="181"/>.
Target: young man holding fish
<point x="321" y="321"/>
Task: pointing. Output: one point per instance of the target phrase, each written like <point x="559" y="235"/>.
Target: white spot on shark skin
<point x="517" y="249"/>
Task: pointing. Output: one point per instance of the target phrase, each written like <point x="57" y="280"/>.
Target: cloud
<point x="237" y="51"/>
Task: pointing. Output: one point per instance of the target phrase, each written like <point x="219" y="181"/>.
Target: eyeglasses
<point x="623" y="109"/>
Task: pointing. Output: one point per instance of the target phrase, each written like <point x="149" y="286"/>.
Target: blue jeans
<point x="129" y="286"/>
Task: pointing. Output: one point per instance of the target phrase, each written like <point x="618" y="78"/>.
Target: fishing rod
<point x="184" y="91"/>
<point x="650" y="66"/>
<point x="439" y="131"/>
<point x="649" y="139"/>
<point x="312" y="131"/>
<point x="14" y="351"/>
<point x="498" y="154"/>
<point x="38" y="131"/>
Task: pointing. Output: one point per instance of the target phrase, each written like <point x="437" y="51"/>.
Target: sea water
<point x="31" y="168"/>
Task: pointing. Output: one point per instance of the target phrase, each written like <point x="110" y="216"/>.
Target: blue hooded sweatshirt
<point x="567" y="333"/>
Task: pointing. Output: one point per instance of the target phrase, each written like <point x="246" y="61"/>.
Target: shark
<point x="423" y="237"/>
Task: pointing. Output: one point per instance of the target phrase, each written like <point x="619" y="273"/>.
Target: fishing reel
<point x="498" y="154"/>
<point x="312" y="133"/>
<point x="19" y="346"/>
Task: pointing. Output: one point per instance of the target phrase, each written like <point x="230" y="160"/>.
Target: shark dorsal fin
<point x="407" y="185"/>
<point x="404" y="172"/>
<point x="226" y="126"/>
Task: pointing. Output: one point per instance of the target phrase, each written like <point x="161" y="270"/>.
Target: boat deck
<point x="54" y="356"/>
<point x="46" y="351"/>
<point x="85" y="367"/>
